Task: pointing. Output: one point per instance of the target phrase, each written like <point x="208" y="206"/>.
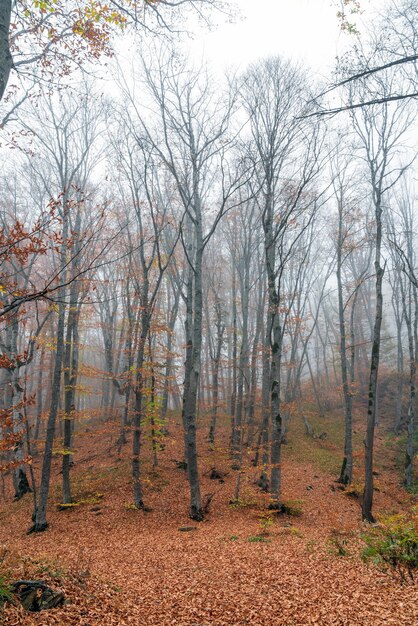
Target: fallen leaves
<point x="130" y="567"/>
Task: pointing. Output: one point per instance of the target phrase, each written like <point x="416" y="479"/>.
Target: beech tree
<point x="192" y="141"/>
<point x="380" y="129"/>
<point x="66" y="156"/>
<point x="138" y="162"/>
<point x="343" y="190"/>
<point x="401" y="238"/>
<point x="274" y="93"/>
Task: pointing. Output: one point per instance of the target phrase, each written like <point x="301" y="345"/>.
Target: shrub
<point x="293" y="508"/>
<point x="258" y="539"/>
<point x="266" y="522"/>
<point x="5" y="591"/>
<point x="354" y="490"/>
<point x="338" y="543"/>
<point x="393" y="544"/>
<point x="243" y="503"/>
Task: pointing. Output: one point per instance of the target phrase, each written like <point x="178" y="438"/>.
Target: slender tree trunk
<point x="374" y="372"/>
<point x="276" y="430"/>
<point x="20" y="480"/>
<point x="234" y="351"/>
<point x="173" y="308"/>
<point x="116" y="366"/>
<point x="39" y="392"/>
<point x="128" y="364"/>
<point x="41" y="523"/>
<point x="193" y="324"/>
<point x="399" y="364"/>
<point x="136" y="423"/>
<point x="220" y="328"/>
<point x="40" y="518"/>
<point x="138" y="391"/>
<point x="263" y="440"/>
<point x="154" y="442"/>
<point x="254" y="366"/>
<point x="353" y="351"/>
<point x="274" y="331"/>
<point x="6" y="61"/>
<point x="237" y="434"/>
<point x="409" y="453"/>
<point x="346" y="474"/>
<point x="70" y="366"/>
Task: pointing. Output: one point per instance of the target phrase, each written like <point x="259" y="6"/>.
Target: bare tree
<point x="402" y="240"/>
<point x="66" y="156"/>
<point x="192" y="142"/>
<point x="27" y="48"/>
<point x="346" y="209"/>
<point x="274" y="94"/>
<point x="380" y="130"/>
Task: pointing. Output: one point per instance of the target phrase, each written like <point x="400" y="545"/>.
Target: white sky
<point x="303" y="30"/>
<point x="306" y="30"/>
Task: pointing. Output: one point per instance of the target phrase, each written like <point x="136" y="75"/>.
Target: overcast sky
<point x="306" y="30"/>
<point x="301" y="29"/>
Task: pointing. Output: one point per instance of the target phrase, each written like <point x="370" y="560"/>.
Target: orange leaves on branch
<point x="9" y="439"/>
<point x="63" y="30"/>
<point x="5" y="362"/>
<point x="94" y="23"/>
<point x="19" y="243"/>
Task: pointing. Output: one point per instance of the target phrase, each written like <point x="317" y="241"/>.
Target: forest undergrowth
<point x="243" y="565"/>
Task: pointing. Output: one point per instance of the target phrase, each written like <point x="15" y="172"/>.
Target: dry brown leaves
<point x="119" y="566"/>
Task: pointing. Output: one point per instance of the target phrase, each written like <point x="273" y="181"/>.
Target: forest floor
<point x="242" y="565"/>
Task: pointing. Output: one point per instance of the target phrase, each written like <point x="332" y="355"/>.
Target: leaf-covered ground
<point x="242" y="565"/>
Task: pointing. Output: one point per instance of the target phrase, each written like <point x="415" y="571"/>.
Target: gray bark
<point x="346" y="473"/>
<point x="41" y="523"/>
<point x="6" y="60"/>
<point x="220" y="329"/>
<point x="374" y="371"/>
<point x="193" y="326"/>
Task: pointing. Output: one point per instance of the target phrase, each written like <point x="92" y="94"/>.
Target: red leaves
<point x="9" y="438"/>
<point x="19" y="243"/>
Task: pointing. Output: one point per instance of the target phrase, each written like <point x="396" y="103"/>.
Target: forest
<point x="208" y="321"/>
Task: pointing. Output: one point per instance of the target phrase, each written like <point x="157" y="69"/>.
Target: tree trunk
<point x="254" y="365"/>
<point x="138" y="391"/>
<point x="409" y="454"/>
<point x="41" y="523"/>
<point x="39" y="392"/>
<point x="346" y="474"/>
<point x="70" y="366"/>
<point x="237" y="434"/>
<point x="374" y="372"/>
<point x="193" y="326"/>
<point x="15" y="397"/>
<point x="399" y="362"/>
<point x="136" y="424"/>
<point x="173" y="312"/>
<point x="6" y="61"/>
<point x="234" y="352"/>
<point x="265" y="401"/>
<point x="127" y="368"/>
<point x="274" y="332"/>
<point x="220" y="328"/>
